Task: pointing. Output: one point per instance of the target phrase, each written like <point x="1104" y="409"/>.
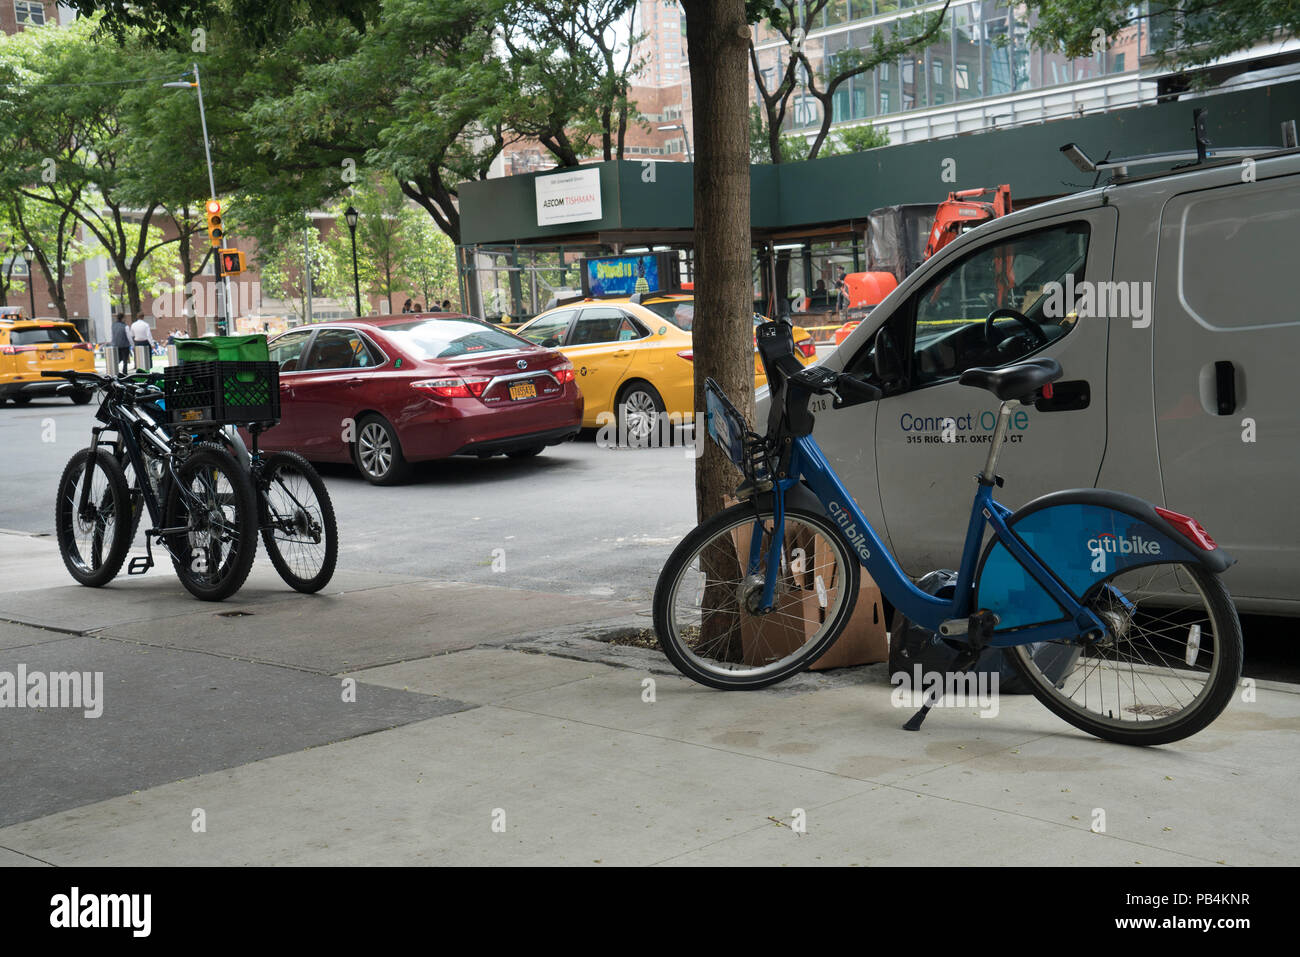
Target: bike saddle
<point x="1018" y="381"/>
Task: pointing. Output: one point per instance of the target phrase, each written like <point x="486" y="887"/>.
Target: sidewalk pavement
<point x="488" y="726"/>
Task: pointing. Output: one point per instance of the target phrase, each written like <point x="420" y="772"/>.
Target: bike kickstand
<point x="980" y="630"/>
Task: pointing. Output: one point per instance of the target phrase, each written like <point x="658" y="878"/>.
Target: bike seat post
<point x="989" y="475"/>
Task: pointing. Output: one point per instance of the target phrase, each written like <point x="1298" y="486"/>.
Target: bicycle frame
<point x="807" y="462"/>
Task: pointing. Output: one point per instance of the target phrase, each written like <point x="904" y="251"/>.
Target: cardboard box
<point x="804" y="595"/>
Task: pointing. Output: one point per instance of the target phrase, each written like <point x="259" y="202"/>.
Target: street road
<point x="577" y="519"/>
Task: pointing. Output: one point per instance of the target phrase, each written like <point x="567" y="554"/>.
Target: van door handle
<point x="622" y="354"/>
<point x="1225" y="387"/>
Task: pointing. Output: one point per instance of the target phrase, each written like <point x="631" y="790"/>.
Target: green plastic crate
<point x="223" y="349"/>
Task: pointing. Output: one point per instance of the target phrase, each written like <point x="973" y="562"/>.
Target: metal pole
<point x="356" y="280"/>
<point x="306" y="255"/>
<point x="224" y="281"/>
<point x="31" y="287"/>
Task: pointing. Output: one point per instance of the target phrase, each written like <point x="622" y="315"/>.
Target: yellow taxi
<point x="633" y="355"/>
<point x="29" y="346"/>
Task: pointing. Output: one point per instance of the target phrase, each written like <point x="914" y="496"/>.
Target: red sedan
<point x="383" y="393"/>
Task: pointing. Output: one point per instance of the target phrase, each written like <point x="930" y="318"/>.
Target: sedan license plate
<point x="523" y="390"/>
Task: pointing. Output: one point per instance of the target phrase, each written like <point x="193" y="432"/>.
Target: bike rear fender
<point x="1084" y="536"/>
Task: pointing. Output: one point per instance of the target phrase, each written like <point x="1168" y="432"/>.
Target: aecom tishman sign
<point x="568" y="197"/>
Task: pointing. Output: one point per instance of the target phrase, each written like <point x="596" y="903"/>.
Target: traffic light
<point x="215" y="230"/>
<point x="232" y="262"/>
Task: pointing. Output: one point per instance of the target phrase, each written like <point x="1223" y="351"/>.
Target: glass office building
<point x="978" y="72"/>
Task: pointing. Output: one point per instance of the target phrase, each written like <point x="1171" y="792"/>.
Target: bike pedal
<point x="139" y="565"/>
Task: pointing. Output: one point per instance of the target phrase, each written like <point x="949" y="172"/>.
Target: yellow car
<point x="634" y="359"/>
<point x="29" y="346"/>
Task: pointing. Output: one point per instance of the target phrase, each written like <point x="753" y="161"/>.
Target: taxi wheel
<point x="20" y="399"/>
<point x="638" y="409"/>
<point x="81" y="397"/>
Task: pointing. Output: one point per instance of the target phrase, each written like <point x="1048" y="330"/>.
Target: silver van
<point x="1170" y="301"/>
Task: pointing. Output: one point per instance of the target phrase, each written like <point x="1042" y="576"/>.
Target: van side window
<point x="1029" y="273"/>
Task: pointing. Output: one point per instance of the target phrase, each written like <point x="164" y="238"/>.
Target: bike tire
<point x="205" y="463"/>
<point x="672" y="628"/>
<point x="114" y="509"/>
<point x="1059" y="697"/>
<point x="273" y="466"/>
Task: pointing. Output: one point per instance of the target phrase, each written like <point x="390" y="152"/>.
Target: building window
<point x="29" y="12"/>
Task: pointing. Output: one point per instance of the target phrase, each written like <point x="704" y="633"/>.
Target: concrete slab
<point x="10" y="858"/>
<point x="427" y="794"/>
<point x="171" y="714"/>
<point x="480" y="675"/>
<point x="157" y="595"/>
<point x="19" y="636"/>
<point x="888" y="826"/>
<point x="334" y="633"/>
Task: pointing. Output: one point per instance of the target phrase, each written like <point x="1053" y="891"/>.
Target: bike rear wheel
<point x="93" y="541"/>
<point x="705" y="605"/>
<point x="211" y="497"/>
<point x="1167" y="667"/>
<point x="298" y="526"/>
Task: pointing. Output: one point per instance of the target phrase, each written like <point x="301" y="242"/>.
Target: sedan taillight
<point x="807" y="347"/>
<point x="563" y="372"/>
<point x="452" y="388"/>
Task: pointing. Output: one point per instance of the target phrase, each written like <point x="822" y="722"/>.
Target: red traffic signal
<point x="232" y="262"/>
<point x="215" y="229"/>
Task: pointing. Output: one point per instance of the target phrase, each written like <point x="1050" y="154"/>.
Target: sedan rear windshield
<point x="448" y="338"/>
<point x="38" y="335"/>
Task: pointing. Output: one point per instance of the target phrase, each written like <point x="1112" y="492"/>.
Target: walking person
<point x="143" y="336"/>
<point x="120" y="339"/>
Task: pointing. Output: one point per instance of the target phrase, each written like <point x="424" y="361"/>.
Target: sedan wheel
<point x="378" y="454"/>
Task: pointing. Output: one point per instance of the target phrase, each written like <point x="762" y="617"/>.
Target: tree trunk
<point x="718" y="36"/>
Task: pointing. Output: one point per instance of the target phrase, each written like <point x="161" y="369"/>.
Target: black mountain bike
<point x="293" y="510"/>
<point x="200" y="501"/>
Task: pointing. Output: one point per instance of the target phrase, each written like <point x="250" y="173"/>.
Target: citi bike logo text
<point x="969" y="689"/>
<point x="845" y="522"/>
<point x="1099" y="300"/>
<point x="1106" y="543"/>
<point x="75" y="909"/>
<point x="55" y="689"/>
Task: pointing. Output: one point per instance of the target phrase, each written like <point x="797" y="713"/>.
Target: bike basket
<point x="726" y="426"/>
<point x="222" y="392"/>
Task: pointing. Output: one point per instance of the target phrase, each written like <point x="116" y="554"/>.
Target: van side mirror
<point x="889" y="367"/>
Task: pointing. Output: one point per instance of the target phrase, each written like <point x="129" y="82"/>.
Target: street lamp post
<point x="350" y="214"/>
<point x="29" y="254"/>
<point x="222" y="281"/>
<point x="685" y="137"/>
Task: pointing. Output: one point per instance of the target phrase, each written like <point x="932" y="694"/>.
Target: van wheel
<point x="378" y="453"/>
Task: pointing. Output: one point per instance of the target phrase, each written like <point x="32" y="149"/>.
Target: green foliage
<point x="282" y="260"/>
<point x="430" y="262"/>
<point x="855" y="139"/>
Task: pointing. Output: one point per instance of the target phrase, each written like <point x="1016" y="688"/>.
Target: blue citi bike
<point x="1128" y="593"/>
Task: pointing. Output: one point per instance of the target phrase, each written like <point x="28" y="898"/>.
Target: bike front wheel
<point x="212" y="499"/>
<point x="707" y="605"/>
<point x="93" y="525"/>
<point x="298" y="526"/>
<point x="1167" y="666"/>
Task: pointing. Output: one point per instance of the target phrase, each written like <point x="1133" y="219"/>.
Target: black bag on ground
<point x="911" y="645"/>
